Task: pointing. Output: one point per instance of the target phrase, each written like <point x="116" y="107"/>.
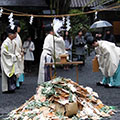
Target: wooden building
<point x="37" y="29"/>
<point x="111" y="15"/>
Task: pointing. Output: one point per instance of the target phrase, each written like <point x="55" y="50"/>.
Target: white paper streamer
<point x="1" y="11"/>
<point x="96" y="15"/>
<point x="68" y="23"/>
<point x="63" y="19"/>
<point x="10" y="17"/>
<point x="31" y="20"/>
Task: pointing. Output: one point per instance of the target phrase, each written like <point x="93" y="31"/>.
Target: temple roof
<point x="40" y="3"/>
<point x="88" y="3"/>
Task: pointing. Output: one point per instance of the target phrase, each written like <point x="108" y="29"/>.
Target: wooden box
<point x="63" y="58"/>
<point x="95" y="65"/>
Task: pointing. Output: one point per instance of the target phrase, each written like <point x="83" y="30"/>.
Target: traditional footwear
<point x="17" y="84"/>
<point x="21" y="83"/>
<point x="99" y="84"/>
<point x="8" y="92"/>
<point x="13" y="91"/>
<point x="109" y="86"/>
<point x="5" y="92"/>
<point x="67" y="68"/>
<point x="64" y="68"/>
<point x="17" y="87"/>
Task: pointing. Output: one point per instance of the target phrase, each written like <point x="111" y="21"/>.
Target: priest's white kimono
<point x="19" y="65"/>
<point x="108" y="58"/>
<point x="47" y="54"/>
<point x="8" y="59"/>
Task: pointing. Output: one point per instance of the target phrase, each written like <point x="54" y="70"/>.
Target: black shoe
<point x="8" y="92"/>
<point x="21" y="83"/>
<point x="108" y="86"/>
<point x="13" y="91"/>
<point x="5" y="92"/>
<point x="99" y="84"/>
<point x="17" y="87"/>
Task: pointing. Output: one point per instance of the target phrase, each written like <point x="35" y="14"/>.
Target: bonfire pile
<point x="62" y="99"/>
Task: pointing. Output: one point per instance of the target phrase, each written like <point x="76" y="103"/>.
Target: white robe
<point x="19" y="65"/>
<point x="8" y="60"/>
<point x="29" y="48"/>
<point x="108" y="57"/>
<point x="48" y="49"/>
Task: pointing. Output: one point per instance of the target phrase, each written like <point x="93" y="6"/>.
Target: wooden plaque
<point x="95" y="65"/>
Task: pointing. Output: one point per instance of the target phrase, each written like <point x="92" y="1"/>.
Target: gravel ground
<point x="109" y="96"/>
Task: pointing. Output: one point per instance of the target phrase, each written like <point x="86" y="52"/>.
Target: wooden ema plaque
<point x="95" y="65"/>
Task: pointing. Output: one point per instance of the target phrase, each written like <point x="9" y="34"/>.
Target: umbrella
<point x="100" y="24"/>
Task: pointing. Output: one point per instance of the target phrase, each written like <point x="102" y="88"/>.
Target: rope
<point x="16" y="13"/>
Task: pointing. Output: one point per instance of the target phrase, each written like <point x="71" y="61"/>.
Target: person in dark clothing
<point x="109" y="36"/>
<point x="98" y="36"/>
<point x="79" y="45"/>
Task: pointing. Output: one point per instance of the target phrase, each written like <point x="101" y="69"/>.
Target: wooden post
<point x="51" y="72"/>
<point x="77" y="73"/>
<point x="59" y="63"/>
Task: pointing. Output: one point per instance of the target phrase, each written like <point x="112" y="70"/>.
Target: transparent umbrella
<point x="100" y="24"/>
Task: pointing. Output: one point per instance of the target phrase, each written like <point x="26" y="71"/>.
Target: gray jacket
<point x="79" y="45"/>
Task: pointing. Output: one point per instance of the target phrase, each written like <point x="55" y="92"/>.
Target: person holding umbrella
<point x="98" y="36"/>
<point x="109" y="36"/>
<point x="108" y="56"/>
<point x="104" y="24"/>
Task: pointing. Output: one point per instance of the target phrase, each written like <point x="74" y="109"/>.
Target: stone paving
<point x="109" y="96"/>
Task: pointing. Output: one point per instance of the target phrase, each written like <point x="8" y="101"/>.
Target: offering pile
<point x="62" y="99"/>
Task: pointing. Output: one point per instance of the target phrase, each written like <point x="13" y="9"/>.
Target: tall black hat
<point x="50" y="28"/>
<point x="10" y="30"/>
<point x="90" y="40"/>
<point x="87" y="35"/>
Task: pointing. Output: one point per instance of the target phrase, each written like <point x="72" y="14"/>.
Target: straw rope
<point x="16" y="13"/>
